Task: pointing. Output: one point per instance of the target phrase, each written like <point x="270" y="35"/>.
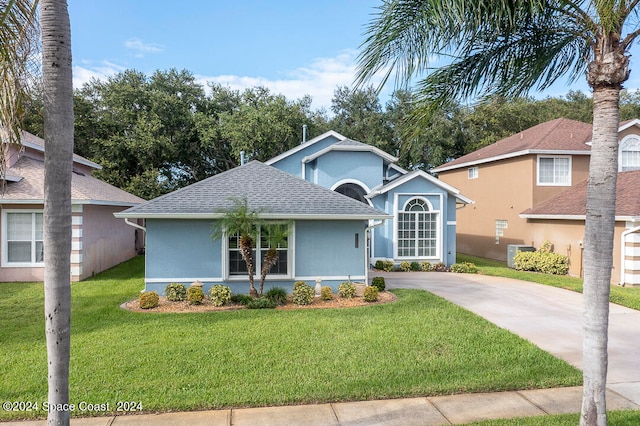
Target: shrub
<point x="415" y="266"/>
<point x="149" y="299"/>
<point x="371" y="294"/>
<point x="440" y="267"/>
<point x="379" y="283"/>
<point x="175" y="292"/>
<point x="326" y="293"/>
<point x="242" y="299"/>
<point x="387" y="266"/>
<point x="277" y="295"/>
<point x="347" y="290"/>
<point x="405" y="266"/>
<point x="379" y="265"/>
<point x="464" y="268"/>
<point x="219" y="295"/>
<point x="302" y="293"/>
<point x="541" y="261"/>
<point x="261" y="303"/>
<point x="195" y="295"/>
<point x="426" y="266"/>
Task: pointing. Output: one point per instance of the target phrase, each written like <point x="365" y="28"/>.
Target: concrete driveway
<point x="549" y="317"/>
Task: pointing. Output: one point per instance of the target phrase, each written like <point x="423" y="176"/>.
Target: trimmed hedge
<point x="541" y="261"/>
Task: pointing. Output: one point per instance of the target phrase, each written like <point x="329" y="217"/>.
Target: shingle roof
<point x="84" y="188"/>
<point x="267" y="189"/>
<point x="557" y="135"/>
<point x="37" y="143"/>
<point x="573" y="201"/>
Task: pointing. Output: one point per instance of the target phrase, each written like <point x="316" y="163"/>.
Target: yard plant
<point x="120" y="355"/>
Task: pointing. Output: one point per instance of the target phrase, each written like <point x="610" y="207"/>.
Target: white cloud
<point x="84" y="73"/>
<point x="141" y="47"/>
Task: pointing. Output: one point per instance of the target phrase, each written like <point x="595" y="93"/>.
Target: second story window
<point x="473" y="172"/>
<point x="629" y="154"/>
<point x="554" y="170"/>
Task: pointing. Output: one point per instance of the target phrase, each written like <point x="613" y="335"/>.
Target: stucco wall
<point x="292" y="164"/>
<point x="106" y="241"/>
<point x="336" y="166"/>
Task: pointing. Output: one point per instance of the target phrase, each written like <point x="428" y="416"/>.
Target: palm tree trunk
<point x="246" y="250"/>
<point x="598" y="254"/>
<point x="58" y="132"/>
<point x="270" y="259"/>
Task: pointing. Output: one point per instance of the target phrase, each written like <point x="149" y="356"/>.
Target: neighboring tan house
<point x="99" y="240"/>
<point x="349" y="204"/>
<point x="531" y="187"/>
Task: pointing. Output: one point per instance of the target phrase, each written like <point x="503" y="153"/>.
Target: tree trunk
<point x="598" y="253"/>
<point x="58" y="162"/>
<point x="269" y="261"/>
<point x="246" y="250"/>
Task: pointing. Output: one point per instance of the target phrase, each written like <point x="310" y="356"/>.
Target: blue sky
<point x="292" y="47"/>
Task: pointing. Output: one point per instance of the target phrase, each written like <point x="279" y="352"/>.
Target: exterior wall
<point x="293" y="163"/>
<point x="182" y="251"/>
<point x="631" y="256"/>
<point x="105" y="240"/>
<point x="336" y="166"/>
<point x="567" y="237"/>
<point x="24" y="274"/>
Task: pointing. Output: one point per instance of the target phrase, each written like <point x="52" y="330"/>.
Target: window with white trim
<point x="237" y="265"/>
<point x="472" y="172"/>
<point x="630" y="154"/>
<point x="554" y="170"/>
<point x="22" y="238"/>
<point x="417" y="230"/>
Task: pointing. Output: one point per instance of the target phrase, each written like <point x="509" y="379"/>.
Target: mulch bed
<point x="165" y="305"/>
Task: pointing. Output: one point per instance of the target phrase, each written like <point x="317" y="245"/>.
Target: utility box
<point x="513" y="249"/>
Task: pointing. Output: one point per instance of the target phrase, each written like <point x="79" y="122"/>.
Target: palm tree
<point x="18" y="44"/>
<point x="242" y="222"/>
<point x="507" y="47"/>
<point x="58" y="161"/>
<point x="275" y="235"/>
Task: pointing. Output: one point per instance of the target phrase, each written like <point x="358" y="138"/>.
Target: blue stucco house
<point x="347" y="204"/>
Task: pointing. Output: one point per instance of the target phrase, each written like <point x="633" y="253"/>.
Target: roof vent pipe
<point x="242" y="158"/>
<point x="304" y="133"/>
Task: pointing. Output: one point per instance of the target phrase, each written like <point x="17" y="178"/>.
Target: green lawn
<point x="614" y="418"/>
<point x="625" y="296"/>
<point x="418" y="345"/>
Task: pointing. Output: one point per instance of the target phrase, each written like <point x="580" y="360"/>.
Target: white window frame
<point x="472" y="172"/>
<point x="258" y="259"/>
<point x="438" y="229"/>
<point x="629" y="141"/>
<point x="501" y="225"/>
<point x="555" y="157"/>
<point x="5" y="242"/>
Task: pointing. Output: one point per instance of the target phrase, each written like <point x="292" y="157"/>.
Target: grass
<point x="614" y="418"/>
<point x="625" y="296"/>
<point x="418" y="345"/>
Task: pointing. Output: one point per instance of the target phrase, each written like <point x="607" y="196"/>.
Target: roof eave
<point x="287" y="216"/>
<point x="574" y="217"/>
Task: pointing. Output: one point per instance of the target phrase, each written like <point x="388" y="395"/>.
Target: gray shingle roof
<point x="273" y="192"/>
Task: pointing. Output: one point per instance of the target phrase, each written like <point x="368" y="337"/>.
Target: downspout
<point x="366" y="250"/>
<point x="623" y="238"/>
<point x="135" y="225"/>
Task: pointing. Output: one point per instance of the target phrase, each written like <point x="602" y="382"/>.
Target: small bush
<point x="195" y="295"/>
<point x="326" y="293"/>
<point x="219" y="295"/>
<point x="277" y="295"/>
<point x="379" y="265"/>
<point x="440" y="267"/>
<point x="175" y="292"/>
<point x="541" y="261"/>
<point x="426" y="266"/>
<point x="405" y="266"/>
<point x="302" y="293"/>
<point x="242" y="299"/>
<point x="464" y="268"/>
<point x="379" y="283"/>
<point x="149" y="299"/>
<point x="387" y="266"/>
<point x="415" y="266"/>
<point x="370" y="294"/>
<point x="261" y="303"/>
<point x="347" y="290"/>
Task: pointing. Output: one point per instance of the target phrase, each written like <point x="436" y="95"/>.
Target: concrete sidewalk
<point x="439" y="410"/>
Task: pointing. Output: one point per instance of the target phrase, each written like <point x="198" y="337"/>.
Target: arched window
<point x="629" y="154"/>
<point x="417" y="230"/>
<point x="352" y="190"/>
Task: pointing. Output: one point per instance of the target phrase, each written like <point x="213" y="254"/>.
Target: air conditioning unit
<point x="513" y="249"/>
